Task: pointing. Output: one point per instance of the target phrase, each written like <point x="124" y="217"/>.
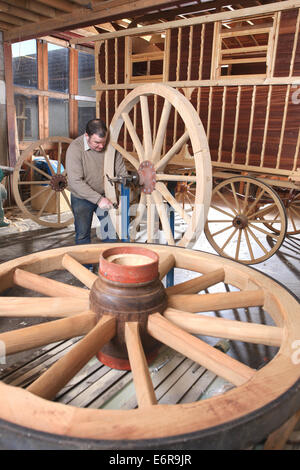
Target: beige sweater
<point x="85" y="170"/>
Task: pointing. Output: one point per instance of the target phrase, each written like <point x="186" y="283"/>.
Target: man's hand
<point x="105" y="204"/>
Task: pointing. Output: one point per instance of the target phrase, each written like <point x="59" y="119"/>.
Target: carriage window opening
<point x="146" y="58"/>
<point x="244" y="47"/>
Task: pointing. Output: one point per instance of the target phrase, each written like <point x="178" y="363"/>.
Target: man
<point x="85" y="170"/>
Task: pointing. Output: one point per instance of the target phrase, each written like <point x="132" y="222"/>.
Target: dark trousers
<point x="83" y="212"/>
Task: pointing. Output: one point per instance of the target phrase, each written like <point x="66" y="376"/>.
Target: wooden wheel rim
<point x="16" y="176"/>
<point x="276" y="382"/>
<point x="279" y="235"/>
<point x="199" y="145"/>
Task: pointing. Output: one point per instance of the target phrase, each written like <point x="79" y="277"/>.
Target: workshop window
<point x="27" y="117"/>
<point x="86" y="111"/>
<point x="24" y="63"/>
<point x="58" y="68"/>
<point x="58" y="117"/>
<point x="86" y="74"/>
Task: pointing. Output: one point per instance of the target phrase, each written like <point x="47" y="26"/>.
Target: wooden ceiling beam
<point x="34" y="6"/>
<point x="80" y="17"/>
<point x="12" y="20"/>
<point x="60" y="5"/>
<point x="19" y="12"/>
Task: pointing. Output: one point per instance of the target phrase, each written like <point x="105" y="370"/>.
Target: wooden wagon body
<point x="241" y="72"/>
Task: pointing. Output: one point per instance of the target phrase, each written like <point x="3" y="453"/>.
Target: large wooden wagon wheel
<point x="142" y="136"/>
<point x="41" y="190"/>
<point x="262" y="398"/>
<point x="244" y="213"/>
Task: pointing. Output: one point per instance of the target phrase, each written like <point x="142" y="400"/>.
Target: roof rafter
<point x="100" y="12"/>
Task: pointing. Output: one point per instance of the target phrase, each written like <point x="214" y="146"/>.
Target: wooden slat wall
<point x="250" y="124"/>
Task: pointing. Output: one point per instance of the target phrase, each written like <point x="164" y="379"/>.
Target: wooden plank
<point x="228" y="15"/>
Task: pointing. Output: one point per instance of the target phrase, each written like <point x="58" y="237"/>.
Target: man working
<point x="85" y="170"/>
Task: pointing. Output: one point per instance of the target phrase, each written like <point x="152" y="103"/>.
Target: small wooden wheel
<point x="41" y="190"/>
<point x="244" y="213"/>
<point x="260" y="400"/>
<point x="144" y="141"/>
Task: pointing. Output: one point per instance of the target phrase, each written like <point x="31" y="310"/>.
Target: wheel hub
<point x="240" y="221"/>
<point x="58" y="182"/>
<point x="129" y="288"/>
<point x="147" y="176"/>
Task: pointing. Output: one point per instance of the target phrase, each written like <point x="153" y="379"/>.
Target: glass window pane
<point x="27" y="117"/>
<point x="58" y="68"/>
<point x="86" y="74"/>
<point x="86" y="111"/>
<point x="24" y="63"/>
<point x="58" y="117"/>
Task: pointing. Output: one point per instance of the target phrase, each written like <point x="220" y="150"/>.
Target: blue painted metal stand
<point x="125" y="198"/>
<point x="125" y="203"/>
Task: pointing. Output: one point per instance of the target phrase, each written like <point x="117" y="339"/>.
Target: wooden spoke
<point x="197" y="284"/>
<point x="39" y="193"/>
<point x="138" y="217"/>
<point x="216" y="361"/>
<point x="79" y="271"/>
<point x="252" y="234"/>
<point x="161" y="132"/>
<point x="218" y="301"/>
<point x="270" y="234"/>
<point x="134" y="137"/>
<point x="166" y="263"/>
<point x="58" y="375"/>
<point x="150" y="218"/>
<point x="235" y="196"/>
<point x="35" y="168"/>
<point x="227" y="202"/>
<point x="147" y="134"/>
<point x="162" y="212"/>
<point x="163" y="190"/>
<point x="222" y="211"/>
<point x="167" y="177"/>
<point x="50" y="195"/>
<point x="130" y="158"/>
<point x="161" y="164"/>
<point x="224" y="328"/>
<point x="42" y="307"/>
<point x="249" y="244"/>
<point x="263" y="212"/>
<point x="257" y="199"/>
<point x="57" y="202"/>
<point x="142" y="381"/>
<point x="38" y="335"/>
<point x="46" y="286"/>
<point x="47" y="160"/>
<point x="35" y="182"/>
<point x="66" y="199"/>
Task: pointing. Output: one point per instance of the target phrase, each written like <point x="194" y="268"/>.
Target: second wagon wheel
<point x="117" y="311"/>
<point x="245" y="214"/>
<point x="150" y="128"/>
<point x="40" y="182"/>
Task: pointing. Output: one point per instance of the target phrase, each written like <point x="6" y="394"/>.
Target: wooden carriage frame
<point x="250" y="119"/>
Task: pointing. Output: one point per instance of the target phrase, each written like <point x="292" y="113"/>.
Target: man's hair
<point x="96" y="126"/>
